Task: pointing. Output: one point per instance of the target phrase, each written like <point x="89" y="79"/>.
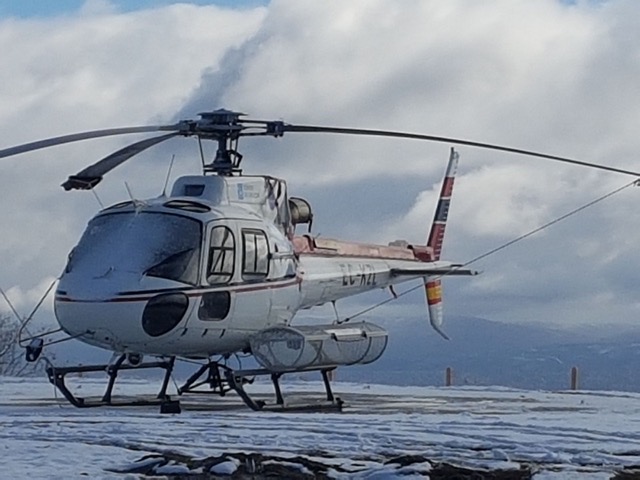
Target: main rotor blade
<point x="458" y="141"/>
<point x="92" y="175"/>
<point x="76" y="137"/>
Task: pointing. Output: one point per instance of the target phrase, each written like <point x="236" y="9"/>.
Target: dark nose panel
<point x="163" y="313"/>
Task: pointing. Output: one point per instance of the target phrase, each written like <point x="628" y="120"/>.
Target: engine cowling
<point x="300" y="211"/>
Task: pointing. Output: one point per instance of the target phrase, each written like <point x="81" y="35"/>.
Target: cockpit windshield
<point x="152" y="244"/>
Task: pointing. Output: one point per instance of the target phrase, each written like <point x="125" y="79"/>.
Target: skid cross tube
<point x="214" y="380"/>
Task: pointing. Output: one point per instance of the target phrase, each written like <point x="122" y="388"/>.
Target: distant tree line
<point x="12" y="360"/>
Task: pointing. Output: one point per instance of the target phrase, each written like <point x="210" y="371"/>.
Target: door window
<point x="255" y="259"/>
<point x="221" y="256"/>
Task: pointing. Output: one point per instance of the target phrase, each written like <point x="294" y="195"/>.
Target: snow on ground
<point x="563" y="435"/>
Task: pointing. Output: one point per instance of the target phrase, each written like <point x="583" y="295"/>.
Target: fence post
<point x="448" y="377"/>
<point x="574" y="378"/>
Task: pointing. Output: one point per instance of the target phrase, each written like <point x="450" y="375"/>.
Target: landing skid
<point x="212" y="378"/>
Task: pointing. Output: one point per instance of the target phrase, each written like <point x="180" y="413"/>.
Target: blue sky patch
<point x="40" y="9"/>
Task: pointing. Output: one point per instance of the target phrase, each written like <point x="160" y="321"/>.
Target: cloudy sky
<point x="553" y="76"/>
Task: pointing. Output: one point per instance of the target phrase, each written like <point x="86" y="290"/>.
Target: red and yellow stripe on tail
<point x="434" y="302"/>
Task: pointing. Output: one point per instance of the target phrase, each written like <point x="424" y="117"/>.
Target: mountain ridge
<point x="486" y="352"/>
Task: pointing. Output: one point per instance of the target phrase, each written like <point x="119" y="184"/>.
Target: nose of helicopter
<point x="129" y="320"/>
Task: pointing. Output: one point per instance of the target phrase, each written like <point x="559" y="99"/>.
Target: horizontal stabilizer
<point x="423" y="270"/>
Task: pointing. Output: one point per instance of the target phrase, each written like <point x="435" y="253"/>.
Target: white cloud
<point x="536" y="74"/>
<point x="91" y="70"/>
<point x="24" y="302"/>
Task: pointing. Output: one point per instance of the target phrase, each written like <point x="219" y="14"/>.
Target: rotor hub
<point x="221" y="121"/>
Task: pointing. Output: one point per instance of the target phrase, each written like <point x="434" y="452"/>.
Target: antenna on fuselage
<point x="126" y="185"/>
<point x="136" y="203"/>
<point x="202" y="159"/>
<point x="95" y="194"/>
<point x="166" y="180"/>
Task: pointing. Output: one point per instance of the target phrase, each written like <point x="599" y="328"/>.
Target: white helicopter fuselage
<point x="199" y="272"/>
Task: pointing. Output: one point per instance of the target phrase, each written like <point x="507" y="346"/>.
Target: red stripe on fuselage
<point x="142" y="297"/>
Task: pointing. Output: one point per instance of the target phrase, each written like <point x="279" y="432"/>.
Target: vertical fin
<point x="436" y="235"/>
<point x="433" y="286"/>
<point x="434" y="302"/>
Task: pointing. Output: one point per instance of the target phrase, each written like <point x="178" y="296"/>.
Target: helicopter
<point x="216" y="268"/>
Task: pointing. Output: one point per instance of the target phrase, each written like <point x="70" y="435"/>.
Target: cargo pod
<point x="282" y="349"/>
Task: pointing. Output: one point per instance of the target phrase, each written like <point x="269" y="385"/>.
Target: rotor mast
<point x="224" y="127"/>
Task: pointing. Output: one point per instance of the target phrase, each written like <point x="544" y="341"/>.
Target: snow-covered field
<point x="384" y="432"/>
